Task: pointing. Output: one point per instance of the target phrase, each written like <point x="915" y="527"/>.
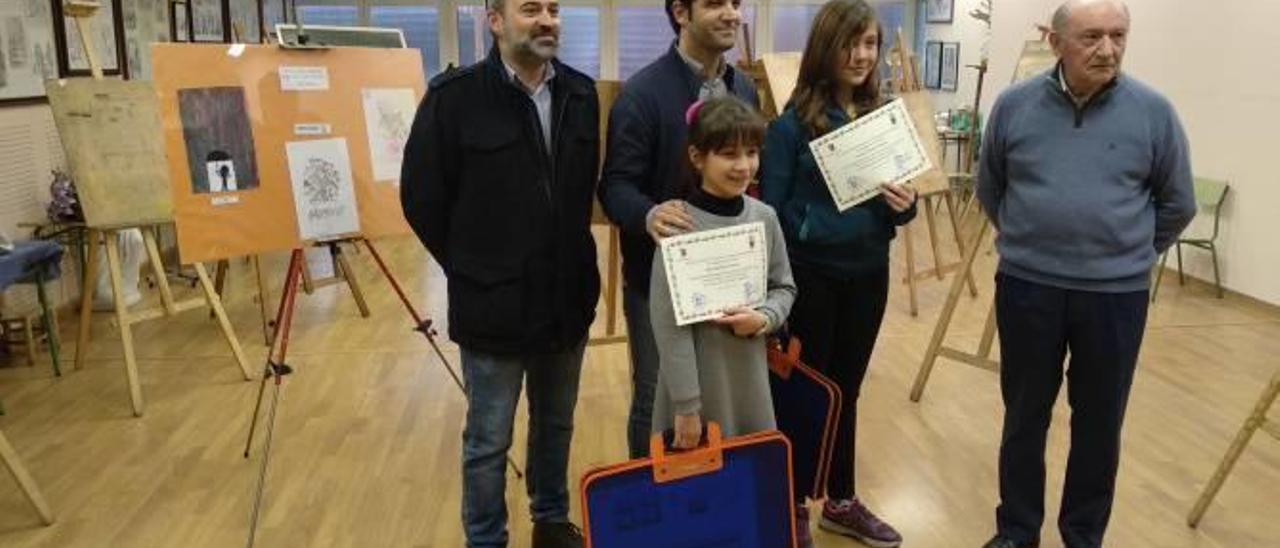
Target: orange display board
<point x="243" y="132"/>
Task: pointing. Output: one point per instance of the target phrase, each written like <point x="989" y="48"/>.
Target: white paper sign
<point x="712" y="271"/>
<point x="880" y="147"/>
<point x="388" y="115"/>
<point x="311" y="130"/>
<point x="304" y="78"/>
<point x="323" y="190"/>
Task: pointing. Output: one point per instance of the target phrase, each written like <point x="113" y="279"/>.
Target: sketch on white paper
<point x="323" y="191"/>
<point x="388" y="116"/>
<point x="102" y="30"/>
<point x="206" y="17"/>
<point x="26" y="49"/>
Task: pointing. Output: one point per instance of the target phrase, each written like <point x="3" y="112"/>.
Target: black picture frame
<point x="60" y="38"/>
<point x="183" y="23"/>
<point x="939" y="11"/>
<point x="949" y="79"/>
<point x="932" y="74"/>
<point x="223" y="17"/>
<point x="25" y="73"/>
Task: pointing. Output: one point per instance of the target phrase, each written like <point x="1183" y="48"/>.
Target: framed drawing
<point x="939" y="11"/>
<point x="210" y="21"/>
<point x="106" y="30"/>
<point x="246" y="21"/>
<point x="27" y="54"/>
<point x="950" y="77"/>
<point x="179" y="21"/>
<point x="932" y="65"/>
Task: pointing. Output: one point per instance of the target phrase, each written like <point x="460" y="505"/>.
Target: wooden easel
<point x="608" y="91"/>
<point x="81" y="10"/>
<point x="906" y="79"/>
<point x="1257" y="421"/>
<point x="937" y="347"/>
<point x="342" y="273"/>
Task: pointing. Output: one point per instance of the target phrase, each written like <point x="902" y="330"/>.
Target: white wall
<point x="1216" y="63"/>
<point x="971" y="34"/>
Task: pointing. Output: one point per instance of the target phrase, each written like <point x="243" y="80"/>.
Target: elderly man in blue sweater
<point x="1086" y="174"/>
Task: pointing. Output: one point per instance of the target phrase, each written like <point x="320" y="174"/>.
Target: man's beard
<point x="537" y="46"/>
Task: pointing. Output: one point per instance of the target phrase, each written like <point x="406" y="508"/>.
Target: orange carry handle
<point x="686" y="464"/>
<point x="781" y="363"/>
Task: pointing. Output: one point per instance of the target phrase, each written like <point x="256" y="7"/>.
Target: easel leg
<point x="24" y="480"/>
<point x="157" y="269"/>
<point x="955" y="228"/>
<point x="287" y="295"/>
<point x="215" y="303"/>
<point x="348" y="274"/>
<point x="424" y="327"/>
<point x="933" y="235"/>
<point x="949" y="309"/>
<point x="1255" y="421"/>
<point x="275" y="368"/>
<point x="908" y="239"/>
<point x="262" y="300"/>
<point x="308" y="286"/>
<point x="88" y="284"/>
<point x="28" y="331"/>
<point x="988" y="333"/>
<point x="122" y="317"/>
<point x="50" y="324"/>
<point x="611" y="284"/>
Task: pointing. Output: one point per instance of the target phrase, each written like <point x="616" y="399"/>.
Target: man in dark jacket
<point x="498" y="178"/>
<point x="645" y="158"/>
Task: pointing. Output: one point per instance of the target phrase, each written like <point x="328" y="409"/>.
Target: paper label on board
<point x="218" y="201"/>
<point x="308" y="130"/>
<point x="304" y="78"/>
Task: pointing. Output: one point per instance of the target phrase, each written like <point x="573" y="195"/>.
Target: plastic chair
<point x="1210" y="195"/>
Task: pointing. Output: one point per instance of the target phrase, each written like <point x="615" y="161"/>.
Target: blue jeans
<point x="644" y="370"/>
<point x="1039" y="326"/>
<point x="493" y="389"/>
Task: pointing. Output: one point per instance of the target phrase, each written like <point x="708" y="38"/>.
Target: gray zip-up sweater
<point x="705" y="368"/>
<point x="1085" y="198"/>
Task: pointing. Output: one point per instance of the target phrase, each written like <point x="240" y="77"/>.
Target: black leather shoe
<point x="556" y="535"/>
<point x="1001" y="542"/>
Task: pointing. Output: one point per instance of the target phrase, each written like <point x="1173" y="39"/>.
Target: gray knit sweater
<point x="705" y="368"/>
<point x="1085" y="197"/>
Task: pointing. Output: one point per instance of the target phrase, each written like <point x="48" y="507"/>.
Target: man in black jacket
<point x="497" y="182"/>
<point x="643" y="164"/>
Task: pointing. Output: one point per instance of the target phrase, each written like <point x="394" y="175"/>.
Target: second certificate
<point x="878" y="148"/>
<point x="712" y="271"/>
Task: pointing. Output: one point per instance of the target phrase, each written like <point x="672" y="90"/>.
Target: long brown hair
<point x="715" y="124"/>
<point x="834" y="30"/>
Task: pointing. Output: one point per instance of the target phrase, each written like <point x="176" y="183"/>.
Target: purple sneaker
<point x="850" y="518"/>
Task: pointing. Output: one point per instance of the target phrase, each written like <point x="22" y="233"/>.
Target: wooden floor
<point x="367" y="443"/>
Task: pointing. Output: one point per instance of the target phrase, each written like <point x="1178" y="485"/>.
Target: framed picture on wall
<point x="950" y="78"/>
<point x="246" y="24"/>
<point x="27" y="52"/>
<point x="105" y="30"/>
<point x="180" y="21"/>
<point x="939" y="11"/>
<point x="210" y="21"/>
<point x="932" y="65"/>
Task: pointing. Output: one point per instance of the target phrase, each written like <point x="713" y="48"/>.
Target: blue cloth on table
<point x="19" y="265"/>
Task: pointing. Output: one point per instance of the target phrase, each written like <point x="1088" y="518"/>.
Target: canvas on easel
<point x="111" y="134"/>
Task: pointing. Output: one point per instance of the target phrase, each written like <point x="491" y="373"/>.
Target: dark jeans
<point x="1039" y="325"/>
<point x="493" y="389"/>
<point x="644" y="371"/>
<point x="837" y="321"/>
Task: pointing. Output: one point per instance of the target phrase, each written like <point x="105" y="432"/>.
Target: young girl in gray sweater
<point x="717" y="370"/>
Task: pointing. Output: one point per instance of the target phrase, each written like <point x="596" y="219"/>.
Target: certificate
<point x="712" y="271"/>
<point x="881" y="147"/>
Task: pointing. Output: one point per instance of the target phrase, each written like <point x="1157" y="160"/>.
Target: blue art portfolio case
<point x="732" y="492"/>
<point x="806" y="406"/>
